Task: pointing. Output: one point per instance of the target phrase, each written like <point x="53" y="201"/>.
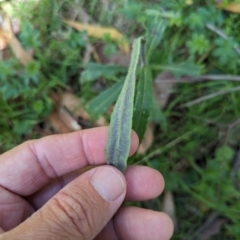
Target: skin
<point x="47" y="192"/>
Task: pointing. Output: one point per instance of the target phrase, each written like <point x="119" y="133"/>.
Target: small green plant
<point x="198" y="44"/>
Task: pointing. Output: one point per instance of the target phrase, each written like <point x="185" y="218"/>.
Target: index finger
<point x="30" y="166"/>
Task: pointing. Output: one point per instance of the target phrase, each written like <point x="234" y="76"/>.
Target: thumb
<point x="79" y="211"/>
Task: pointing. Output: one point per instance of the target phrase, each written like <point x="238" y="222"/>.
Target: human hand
<point x="44" y="195"/>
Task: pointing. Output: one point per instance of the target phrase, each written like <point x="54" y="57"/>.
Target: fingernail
<point x="108" y="183"/>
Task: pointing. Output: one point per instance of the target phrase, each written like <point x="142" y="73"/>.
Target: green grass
<point x="204" y="138"/>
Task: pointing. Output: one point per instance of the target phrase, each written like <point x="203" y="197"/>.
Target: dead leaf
<point x="230" y="7"/>
<point x="211" y="227"/>
<point x="147" y="139"/>
<point x="61" y="119"/>
<point x="63" y="122"/>
<point x="76" y="107"/>
<point x="77" y="12"/>
<point x="163" y="88"/>
<point x="120" y="58"/>
<point x="169" y="207"/>
<point x="4" y="41"/>
<point x="69" y="112"/>
<point x="21" y="54"/>
<point x="98" y="32"/>
<point x="5" y="54"/>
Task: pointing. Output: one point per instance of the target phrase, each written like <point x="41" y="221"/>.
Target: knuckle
<point x="76" y="213"/>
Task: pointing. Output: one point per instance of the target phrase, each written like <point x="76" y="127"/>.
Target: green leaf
<point x="97" y="106"/>
<point x="143" y="103"/>
<point x="94" y="71"/>
<point x="23" y="127"/>
<point x="187" y="68"/>
<point x="224" y="153"/>
<point x="155" y="36"/>
<point x="119" y="135"/>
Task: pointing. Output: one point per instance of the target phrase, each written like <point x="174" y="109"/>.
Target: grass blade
<point x="119" y="135"/>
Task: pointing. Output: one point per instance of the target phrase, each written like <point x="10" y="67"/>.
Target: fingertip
<point x="167" y="226"/>
<point x="140" y="224"/>
<point x="144" y="183"/>
<point x="159" y="179"/>
<point x="156" y="180"/>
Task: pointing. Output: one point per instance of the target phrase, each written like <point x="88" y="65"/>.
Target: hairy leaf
<point x="119" y="135"/>
<point x="143" y="102"/>
<point x="97" y="106"/>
